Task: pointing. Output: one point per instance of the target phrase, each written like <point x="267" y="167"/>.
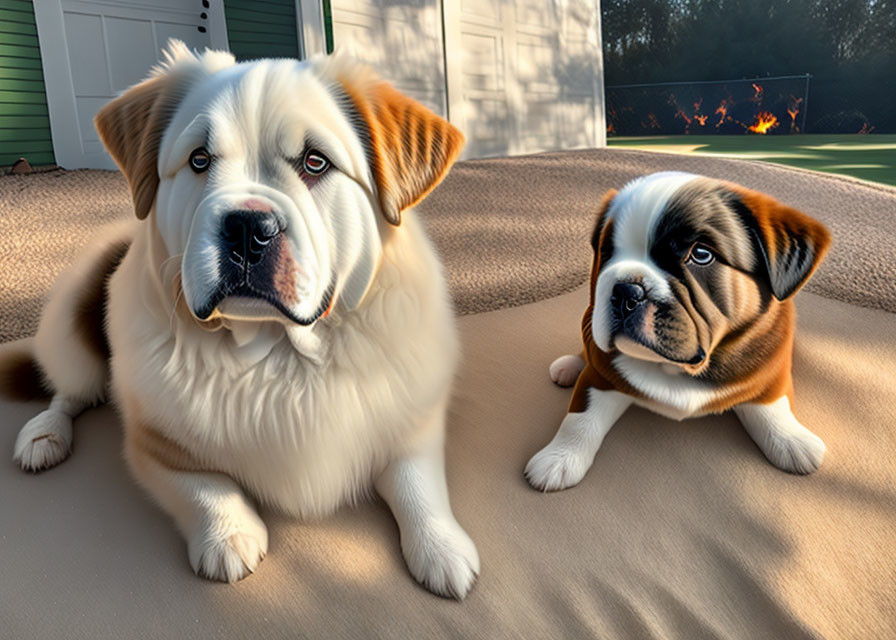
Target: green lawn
<point x="870" y="157"/>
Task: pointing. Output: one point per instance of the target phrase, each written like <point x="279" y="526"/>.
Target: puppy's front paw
<point x="44" y="441"/>
<point x="556" y="467"/>
<point x="442" y="557"/>
<point x="566" y="369"/>
<point x="798" y="451"/>
<point x="228" y="548"/>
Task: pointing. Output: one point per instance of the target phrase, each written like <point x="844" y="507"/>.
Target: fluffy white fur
<point x="304" y="419"/>
<point x="567" y="458"/>
<point x="785" y="442"/>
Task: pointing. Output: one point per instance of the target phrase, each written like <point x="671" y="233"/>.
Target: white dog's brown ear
<point x="791" y="244"/>
<point x="410" y="147"/>
<point x="131" y="128"/>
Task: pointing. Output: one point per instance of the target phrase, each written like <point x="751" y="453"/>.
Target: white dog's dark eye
<point x="315" y="163"/>
<point x="701" y="255"/>
<point x="200" y="160"/>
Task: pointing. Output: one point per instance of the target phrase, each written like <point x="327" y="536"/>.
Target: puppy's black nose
<point x="247" y="234"/>
<point x="627" y="296"/>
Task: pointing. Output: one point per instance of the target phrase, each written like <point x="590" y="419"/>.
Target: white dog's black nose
<point x="247" y="234"/>
<point x="627" y="296"/>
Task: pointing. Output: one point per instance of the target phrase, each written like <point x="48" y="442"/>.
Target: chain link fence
<point x="762" y="106"/>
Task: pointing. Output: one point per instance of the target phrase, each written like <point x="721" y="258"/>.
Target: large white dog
<point x="276" y="324"/>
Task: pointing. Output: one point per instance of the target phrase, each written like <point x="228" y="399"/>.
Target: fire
<point x="722" y="111"/>
<point x="757" y="97"/>
<point x="764" y="122"/>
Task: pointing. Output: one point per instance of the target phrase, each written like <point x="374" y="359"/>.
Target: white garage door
<point x="519" y="76"/>
<point x="401" y="40"/>
<point x="91" y="51"/>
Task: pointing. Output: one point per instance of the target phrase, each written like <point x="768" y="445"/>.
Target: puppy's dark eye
<point x="700" y="255"/>
<point x="200" y="160"/>
<point x="315" y="163"/>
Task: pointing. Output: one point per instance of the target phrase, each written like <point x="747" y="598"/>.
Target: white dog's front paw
<point x="556" y="467"/>
<point x="565" y="370"/>
<point x="442" y="557"/>
<point x="798" y="451"/>
<point x="229" y="548"/>
<point x="44" y="441"/>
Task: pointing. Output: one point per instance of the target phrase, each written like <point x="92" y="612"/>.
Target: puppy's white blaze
<point x="636" y="211"/>
<point x="621" y="270"/>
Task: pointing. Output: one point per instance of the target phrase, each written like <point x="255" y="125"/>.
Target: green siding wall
<point x="261" y="28"/>
<point x="24" y="120"/>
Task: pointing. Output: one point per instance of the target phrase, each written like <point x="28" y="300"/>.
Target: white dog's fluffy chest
<point x="302" y="436"/>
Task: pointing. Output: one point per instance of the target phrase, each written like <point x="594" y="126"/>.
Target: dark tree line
<point x="849" y="47"/>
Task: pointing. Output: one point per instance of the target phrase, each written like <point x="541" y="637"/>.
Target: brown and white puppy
<point x="277" y="327"/>
<point x="691" y="313"/>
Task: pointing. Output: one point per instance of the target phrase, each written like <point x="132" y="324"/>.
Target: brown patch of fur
<point x="144" y="440"/>
<point x="21" y="378"/>
<point x="285" y="275"/>
<point x="411" y="148"/>
<point x="90" y="309"/>
<point x="781" y="230"/>
<point x="131" y="128"/>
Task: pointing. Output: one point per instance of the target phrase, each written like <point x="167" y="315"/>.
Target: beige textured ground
<point x="679" y="531"/>
<point x="510" y="230"/>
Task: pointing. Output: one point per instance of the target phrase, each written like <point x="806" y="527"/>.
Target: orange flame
<point x="764" y="122"/>
<point x="722" y="111"/>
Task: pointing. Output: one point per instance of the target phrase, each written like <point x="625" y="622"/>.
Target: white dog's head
<point x="273" y="180"/>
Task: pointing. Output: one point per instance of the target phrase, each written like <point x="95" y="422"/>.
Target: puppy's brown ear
<point x="409" y="147"/>
<point x="601" y="239"/>
<point x="600" y="226"/>
<point x="790" y="244"/>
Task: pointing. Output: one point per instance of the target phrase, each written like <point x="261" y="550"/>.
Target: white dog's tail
<point x="69" y="354"/>
<point x="21" y="377"/>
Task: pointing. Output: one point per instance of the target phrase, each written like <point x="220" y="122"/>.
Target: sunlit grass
<point x="869" y="157"/>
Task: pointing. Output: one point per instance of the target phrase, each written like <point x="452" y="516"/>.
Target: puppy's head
<point x="682" y="261"/>
<point x="273" y="182"/>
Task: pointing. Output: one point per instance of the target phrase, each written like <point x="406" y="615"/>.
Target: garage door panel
<point x="489" y="9"/>
<point x="521" y="75"/>
<point x="87" y="54"/>
<point x="374" y="31"/>
<point x="136" y="37"/>
<point x="94" y="49"/>
<point x="537" y="13"/>
<point x="482" y="61"/>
